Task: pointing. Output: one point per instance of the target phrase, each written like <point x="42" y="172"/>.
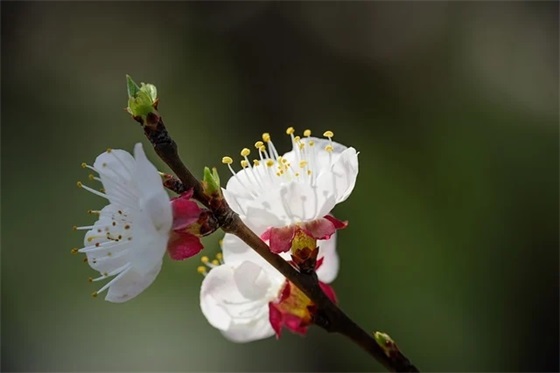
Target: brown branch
<point x="329" y="316"/>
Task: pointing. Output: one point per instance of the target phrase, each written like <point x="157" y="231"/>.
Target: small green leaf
<point x="211" y="182"/>
<point x="131" y="86"/>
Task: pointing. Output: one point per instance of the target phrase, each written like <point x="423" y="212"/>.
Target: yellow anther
<point x="266" y="137"/>
<point x="84" y="165"/>
<point x="201" y="270"/>
<point x="85" y="260"/>
<point x="90" y="279"/>
<point x="219" y="256"/>
<point x="94" y="294"/>
<point x="307" y="133"/>
<point x="109" y="150"/>
<point x="91" y="176"/>
<point x="215" y="262"/>
<point x="74" y="251"/>
<point x="244" y="163"/>
<point x="227" y="160"/>
<point x="297" y="174"/>
<point x="245" y="152"/>
<point x="329" y="148"/>
<point x="204" y="259"/>
<point x="309" y="172"/>
<point x="220" y="242"/>
<point x="79" y="184"/>
<point x="302" y="164"/>
<point x="284" y="160"/>
<point x="270" y="163"/>
<point x="74" y="228"/>
<point x="328" y="134"/>
<point x="262" y="149"/>
<point x="90" y="239"/>
<point x="278" y="174"/>
<point x="256" y="162"/>
<point x="290" y="130"/>
<point x="258" y="144"/>
<point x="311" y="143"/>
<point x="297" y="139"/>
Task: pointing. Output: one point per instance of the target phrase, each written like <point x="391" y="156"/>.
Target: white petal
<point x="289" y="204"/>
<point x="251" y="280"/>
<point x="235" y="201"/>
<point x="116" y="163"/>
<point x="328" y="271"/>
<point x="236" y="251"/>
<point x="239" y="315"/>
<point x="148" y="181"/>
<point x="149" y="244"/>
<point x="322" y="160"/>
<point x="242" y="183"/>
<point x="341" y="177"/>
<point x="132" y="284"/>
<point x="256" y="329"/>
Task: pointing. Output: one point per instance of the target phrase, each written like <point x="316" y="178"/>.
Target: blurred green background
<point x="452" y="246"/>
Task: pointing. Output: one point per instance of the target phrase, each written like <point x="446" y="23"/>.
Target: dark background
<point x="452" y="246"/>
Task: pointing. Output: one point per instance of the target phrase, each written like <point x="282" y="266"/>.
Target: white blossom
<point x="129" y="239"/>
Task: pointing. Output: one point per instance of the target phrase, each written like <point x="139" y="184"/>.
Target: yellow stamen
<point x="245" y="152"/>
<point x="215" y="262"/>
<point x="244" y="163"/>
<point x="328" y="134"/>
<point x="74" y="251"/>
<point x="204" y="259"/>
<point x="270" y="163"/>
<point x="201" y="270"/>
<point x="94" y="294"/>
<point x="227" y="160"/>
<point x="256" y="162"/>
<point x="307" y="133"/>
<point x="79" y="184"/>
<point x="258" y="144"/>
<point x="84" y="165"/>
<point x="219" y="256"/>
<point x="266" y="137"/>
<point x="329" y="148"/>
<point x="290" y="130"/>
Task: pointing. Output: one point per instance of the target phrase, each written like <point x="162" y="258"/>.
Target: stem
<point x="329" y="316"/>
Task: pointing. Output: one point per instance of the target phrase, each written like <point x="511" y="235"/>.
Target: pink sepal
<point x="185" y="211"/>
<point x="183" y="245"/>
<point x="280" y="239"/>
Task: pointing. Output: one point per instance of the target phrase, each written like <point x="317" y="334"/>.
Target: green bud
<point x="211" y="182"/>
<point x="385" y="342"/>
<point x="141" y="100"/>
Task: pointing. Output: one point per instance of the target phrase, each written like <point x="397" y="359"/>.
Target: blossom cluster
<point x="285" y="199"/>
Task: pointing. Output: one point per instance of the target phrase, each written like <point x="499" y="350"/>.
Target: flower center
<point x="270" y="169"/>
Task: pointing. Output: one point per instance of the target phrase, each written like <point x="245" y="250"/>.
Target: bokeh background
<point x="452" y="246"/>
